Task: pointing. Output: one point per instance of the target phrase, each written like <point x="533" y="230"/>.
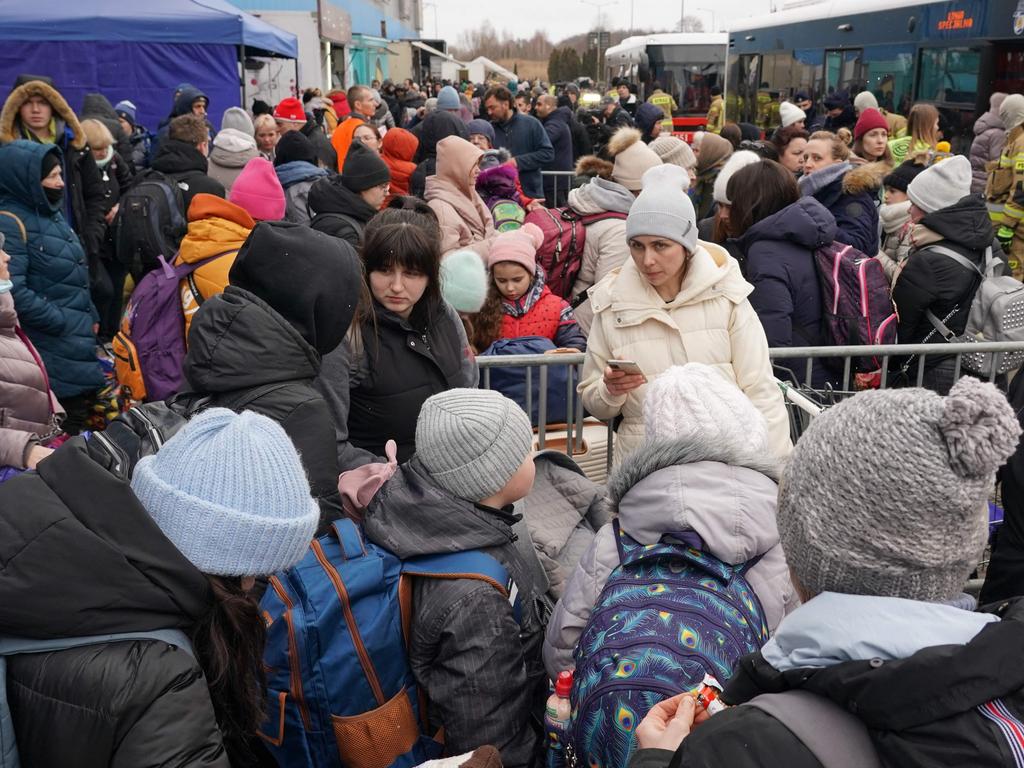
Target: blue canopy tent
<point x="140" y="53"/>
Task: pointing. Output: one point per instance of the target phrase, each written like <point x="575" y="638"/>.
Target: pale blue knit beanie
<point x="230" y="493"/>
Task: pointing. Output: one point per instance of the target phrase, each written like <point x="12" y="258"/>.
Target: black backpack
<point x="150" y="223"/>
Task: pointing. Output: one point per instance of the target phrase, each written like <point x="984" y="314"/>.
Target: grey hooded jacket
<point x="721" y="492"/>
<point x="481" y="671"/>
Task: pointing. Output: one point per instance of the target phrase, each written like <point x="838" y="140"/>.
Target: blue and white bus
<point x="950" y="54"/>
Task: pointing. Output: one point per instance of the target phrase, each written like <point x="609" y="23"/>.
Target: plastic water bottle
<point x="557" y="715"/>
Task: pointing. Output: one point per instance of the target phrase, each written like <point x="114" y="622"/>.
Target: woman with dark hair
<point x="778" y="232"/>
<point x="407" y="345"/>
<point x="225" y="500"/>
<point x="790" y="143"/>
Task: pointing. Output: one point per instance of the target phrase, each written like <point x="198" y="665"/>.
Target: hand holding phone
<point x="623" y="376"/>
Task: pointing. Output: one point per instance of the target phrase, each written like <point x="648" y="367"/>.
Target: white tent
<point x="481" y="69"/>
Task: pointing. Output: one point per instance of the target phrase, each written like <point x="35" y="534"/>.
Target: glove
<point x="1005" y="236"/>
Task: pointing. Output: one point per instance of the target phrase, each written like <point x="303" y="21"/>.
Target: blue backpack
<point x="669" y="615"/>
<point x="340" y="691"/>
<point x="511" y="382"/>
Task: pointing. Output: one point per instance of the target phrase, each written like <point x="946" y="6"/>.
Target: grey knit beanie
<point x="663" y="208"/>
<point x="230" y="493"/>
<point x="673" y="150"/>
<point x="885" y="493"/>
<point x="472" y="441"/>
<point x="941" y="185"/>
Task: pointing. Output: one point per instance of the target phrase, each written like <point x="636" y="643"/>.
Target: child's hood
<point x="455" y="160"/>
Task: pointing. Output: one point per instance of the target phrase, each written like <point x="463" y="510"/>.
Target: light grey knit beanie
<point x="231" y="494"/>
<point x="673" y="150"/>
<point x="865" y="100"/>
<point x="664" y="209"/>
<point x="237" y="118"/>
<point x="885" y="494"/>
<point x="472" y="441"/>
<point x="941" y="185"/>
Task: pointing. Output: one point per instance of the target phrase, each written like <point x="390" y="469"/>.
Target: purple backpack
<point x="856" y="306"/>
<point x="149" y="349"/>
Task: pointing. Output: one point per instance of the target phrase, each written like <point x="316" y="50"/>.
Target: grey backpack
<point x="997" y="314"/>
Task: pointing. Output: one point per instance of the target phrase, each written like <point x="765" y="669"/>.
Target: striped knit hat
<point x="472" y="441"/>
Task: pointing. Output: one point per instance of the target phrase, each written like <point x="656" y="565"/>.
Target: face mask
<point x="5" y="286"/>
<point x="55" y="196"/>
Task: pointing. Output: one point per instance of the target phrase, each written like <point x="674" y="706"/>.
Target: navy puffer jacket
<point x="49" y="272"/>
<point x="779" y="251"/>
<point x="849" y="193"/>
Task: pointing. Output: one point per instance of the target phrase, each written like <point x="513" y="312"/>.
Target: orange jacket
<point x="398" y="149"/>
<point x="341" y="139"/>
<point x="214" y="226"/>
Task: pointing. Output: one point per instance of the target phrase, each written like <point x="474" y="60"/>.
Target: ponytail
<point x="229" y="646"/>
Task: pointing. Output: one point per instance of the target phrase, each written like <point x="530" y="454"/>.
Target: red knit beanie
<point x="869" y="120"/>
<point x="291" y="110"/>
<point x="258" y="190"/>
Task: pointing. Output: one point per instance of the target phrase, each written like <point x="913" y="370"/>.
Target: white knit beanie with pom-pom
<point x="697" y="402"/>
<point x="886" y="493"/>
<point x="633" y="158"/>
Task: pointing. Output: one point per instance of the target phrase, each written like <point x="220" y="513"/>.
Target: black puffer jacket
<point x="238" y="343"/>
<point x="923" y="710"/>
<point x="188" y="167"/>
<point x="436" y="126"/>
<point x="82" y="557"/>
<point x="338" y="211"/>
<point x="932" y="281"/>
<point x="377" y="381"/>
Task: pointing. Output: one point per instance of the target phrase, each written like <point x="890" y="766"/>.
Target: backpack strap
<point x="13" y="646"/>
<point x="963" y="261"/>
<point x="467" y="565"/>
<point x="835" y="737"/>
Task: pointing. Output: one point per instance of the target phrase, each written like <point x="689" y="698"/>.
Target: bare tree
<point x="689" y="24"/>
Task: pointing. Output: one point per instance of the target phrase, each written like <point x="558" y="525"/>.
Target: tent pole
<point x="241" y="68"/>
<point x="298" y="88"/>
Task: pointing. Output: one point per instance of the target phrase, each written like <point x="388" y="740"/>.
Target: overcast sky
<point x="561" y="18"/>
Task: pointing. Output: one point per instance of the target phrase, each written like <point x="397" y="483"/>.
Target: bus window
<point x="1009" y="68"/>
<point x="889" y="73"/>
<point x="843" y="70"/>
<point x="810" y="64"/>
<point x="748" y="80"/>
<point x="949" y="75"/>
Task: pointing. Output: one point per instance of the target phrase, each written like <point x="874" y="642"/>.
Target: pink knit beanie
<point x="258" y="190"/>
<point x="518" y="246"/>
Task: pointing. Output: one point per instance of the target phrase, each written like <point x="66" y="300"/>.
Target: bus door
<point x="748" y="79"/>
<point x="844" y="71"/>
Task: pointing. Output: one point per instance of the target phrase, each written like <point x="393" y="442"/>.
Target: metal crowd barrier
<point x="561" y="181"/>
<point x="885" y="354"/>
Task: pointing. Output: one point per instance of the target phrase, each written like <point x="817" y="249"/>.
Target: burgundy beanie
<point x="258" y="190"/>
<point x="869" y="120"/>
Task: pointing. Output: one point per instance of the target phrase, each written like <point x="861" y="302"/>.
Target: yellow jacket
<point x="710" y="321"/>
<point x="666" y="104"/>
<point x="716" y="115"/>
<point x="214" y="226"/>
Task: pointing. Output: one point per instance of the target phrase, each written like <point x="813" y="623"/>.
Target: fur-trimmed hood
<point x="592" y="165"/>
<point x="865" y="178"/>
<point x="61" y="110"/>
<point x="724" y="494"/>
<point x="622" y="140"/>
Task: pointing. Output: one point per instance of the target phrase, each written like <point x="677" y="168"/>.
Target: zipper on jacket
<point x="295" y="674"/>
<point x="350" y="621"/>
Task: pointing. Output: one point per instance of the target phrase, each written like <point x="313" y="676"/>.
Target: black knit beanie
<point x="50" y="161"/>
<point x="902" y="175"/>
<point x="363" y="169"/>
<point x="294" y="146"/>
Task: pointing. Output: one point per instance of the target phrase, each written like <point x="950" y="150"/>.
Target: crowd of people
<point x="290" y="308"/>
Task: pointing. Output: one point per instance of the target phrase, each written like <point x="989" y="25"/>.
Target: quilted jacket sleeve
<point x="771" y="298"/>
<point x="34" y="311"/>
<point x="592" y="389"/>
<point x="573" y="610"/>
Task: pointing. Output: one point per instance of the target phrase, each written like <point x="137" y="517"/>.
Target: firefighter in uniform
<point x="1005" y="188"/>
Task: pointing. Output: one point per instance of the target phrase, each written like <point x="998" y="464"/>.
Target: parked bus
<point x="950" y="54"/>
<point x="686" y="64"/>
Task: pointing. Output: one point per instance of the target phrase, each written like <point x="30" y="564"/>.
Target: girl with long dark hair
<point x="407" y="345"/>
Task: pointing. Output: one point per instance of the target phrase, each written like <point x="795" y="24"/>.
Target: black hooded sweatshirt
<point x="83" y="557"/>
<point x="436" y="126"/>
<point x="338" y="211"/>
<point x="933" y="281"/>
<point x="292" y="296"/>
<point x="186" y="165"/>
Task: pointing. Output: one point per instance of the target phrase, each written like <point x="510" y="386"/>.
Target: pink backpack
<point x="856" y="306"/>
<point x="561" y="253"/>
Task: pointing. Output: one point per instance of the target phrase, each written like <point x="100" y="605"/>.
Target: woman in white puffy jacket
<point x="677" y="300"/>
<point x="704" y="468"/>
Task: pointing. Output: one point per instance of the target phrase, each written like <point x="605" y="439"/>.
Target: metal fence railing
<point x="801" y="408"/>
<point x="561" y="182"/>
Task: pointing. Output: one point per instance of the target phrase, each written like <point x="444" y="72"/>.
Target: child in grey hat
<point x="479" y="666"/>
<point x="883" y="515"/>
